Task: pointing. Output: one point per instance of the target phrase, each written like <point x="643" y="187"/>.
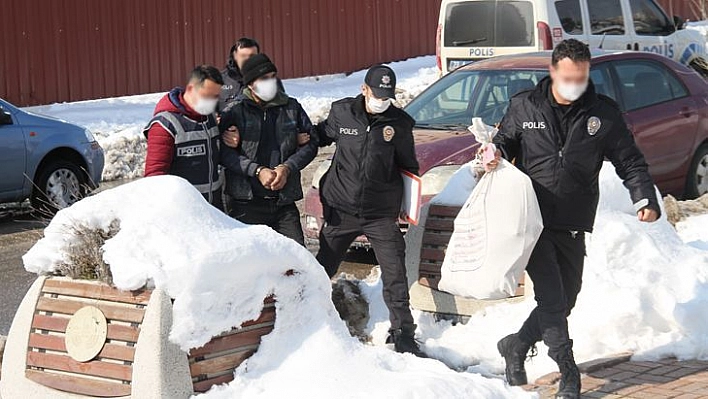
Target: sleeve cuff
<point x="251" y="171"/>
<point x="641" y="204"/>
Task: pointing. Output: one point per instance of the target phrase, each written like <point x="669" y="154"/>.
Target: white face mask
<point x="571" y="91"/>
<point x="266" y="89"/>
<point x="377" y="106"/>
<point x="205" y="106"/>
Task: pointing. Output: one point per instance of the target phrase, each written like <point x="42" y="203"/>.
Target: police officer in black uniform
<point x="362" y="191"/>
<point x="559" y="134"/>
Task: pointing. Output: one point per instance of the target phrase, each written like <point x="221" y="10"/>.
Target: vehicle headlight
<point x="89" y="136"/>
<point x="435" y="180"/>
<point x="321" y="170"/>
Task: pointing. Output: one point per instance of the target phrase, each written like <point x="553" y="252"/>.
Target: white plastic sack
<point x="495" y="232"/>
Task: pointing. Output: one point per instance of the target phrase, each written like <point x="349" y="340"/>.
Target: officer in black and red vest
<point x="183" y="137"/>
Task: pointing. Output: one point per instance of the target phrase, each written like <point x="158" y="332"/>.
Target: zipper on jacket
<point x="365" y="157"/>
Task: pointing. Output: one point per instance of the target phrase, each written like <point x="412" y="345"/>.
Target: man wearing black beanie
<point x="263" y="173"/>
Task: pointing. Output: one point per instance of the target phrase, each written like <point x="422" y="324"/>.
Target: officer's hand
<point x="492" y="164"/>
<point x="266" y="177"/>
<point x="232" y="137"/>
<point x="647" y="215"/>
<point x="281" y="177"/>
<point x="303" y="138"/>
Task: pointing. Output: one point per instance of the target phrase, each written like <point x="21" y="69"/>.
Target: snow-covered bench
<point x="215" y="362"/>
<point x="76" y="338"/>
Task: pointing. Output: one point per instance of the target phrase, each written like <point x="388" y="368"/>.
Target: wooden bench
<point x="215" y="362"/>
<point x="439" y="226"/>
<point x="110" y="373"/>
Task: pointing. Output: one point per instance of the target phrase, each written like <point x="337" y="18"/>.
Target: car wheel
<point x="59" y="185"/>
<point x="697" y="184"/>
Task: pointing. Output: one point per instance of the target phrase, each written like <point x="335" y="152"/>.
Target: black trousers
<point x="285" y="219"/>
<point x="338" y="233"/>
<point x="556" y="269"/>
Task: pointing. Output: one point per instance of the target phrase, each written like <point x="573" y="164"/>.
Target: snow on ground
<point x="219" y="270"/>
<point x="645" y="290"/>
<point x="118" y="122"/>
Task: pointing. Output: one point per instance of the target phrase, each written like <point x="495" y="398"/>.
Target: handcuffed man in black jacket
<point x="263" y="173"/>
<point x="559" y="134"/>
<point x="362" y="191"/>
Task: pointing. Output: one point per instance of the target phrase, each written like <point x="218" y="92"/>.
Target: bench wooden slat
<point x="232" y="341"/>
<point x="58" y="324"/>
<point x="79" y="385"/>
<point x="433" y="268"/>
<point x="57" y="343"/>
<point x="220" y="364"/>
<point x="97" y="291"/>
<point x="432" y="254"/>
<point x="439" y="239"/>
<point x="444" y="211"/>
<point x="267" y="315"/>
<point x="205" y="385"/>
<point x="440" y="225"/>
<point x="66" y="363"/>
<point x="67" y="306"/>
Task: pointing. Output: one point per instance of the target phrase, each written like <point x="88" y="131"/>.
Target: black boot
<point x="569" y="387"/>
<point x="403" y="340"/>
<point x="514" y="351"/>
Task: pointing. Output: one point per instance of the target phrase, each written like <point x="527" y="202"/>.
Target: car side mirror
<point x="5" y="118"/>
<point x="679" y="22"/>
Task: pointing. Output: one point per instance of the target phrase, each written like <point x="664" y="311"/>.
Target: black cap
<point x="382" y="81"/>
<point x="255" y="67"/>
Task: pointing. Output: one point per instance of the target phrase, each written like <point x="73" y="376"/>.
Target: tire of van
<point x="697" y="179"/>
<point x="59" y="184"/>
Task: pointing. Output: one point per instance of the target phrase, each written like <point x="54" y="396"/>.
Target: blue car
<point x="51" y="162"/>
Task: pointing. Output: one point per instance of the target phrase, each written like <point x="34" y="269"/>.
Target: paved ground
<point x="617" y="377"/>
<point x="18" y="232"/>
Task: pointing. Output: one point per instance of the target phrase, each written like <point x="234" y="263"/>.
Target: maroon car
<point x="665" y="105"/>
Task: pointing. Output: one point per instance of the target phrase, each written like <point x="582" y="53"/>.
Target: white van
<point x="471" y="30"/>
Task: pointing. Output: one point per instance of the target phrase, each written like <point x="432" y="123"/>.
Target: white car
<point x="472" y="30"/>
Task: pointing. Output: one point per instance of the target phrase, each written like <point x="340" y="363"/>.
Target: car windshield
<point x="455" y="99"/>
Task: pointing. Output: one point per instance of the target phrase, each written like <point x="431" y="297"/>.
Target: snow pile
<point x="125" y="117"/>
<point x="645" y="290"/>
<point x="125" y="153"/>
<point x="693" y="231"/>
<point x="219" y="271"/>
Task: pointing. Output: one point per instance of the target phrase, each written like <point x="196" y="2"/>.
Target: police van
<point x="471" y="30"/>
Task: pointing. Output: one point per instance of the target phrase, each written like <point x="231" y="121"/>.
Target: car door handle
<point x="686" y="112"/>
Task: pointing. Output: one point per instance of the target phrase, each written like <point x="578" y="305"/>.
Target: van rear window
<point x="489" y="24"/>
